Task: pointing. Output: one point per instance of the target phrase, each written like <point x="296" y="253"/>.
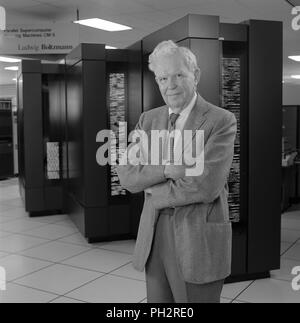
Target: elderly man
<point x="184" y="237"/>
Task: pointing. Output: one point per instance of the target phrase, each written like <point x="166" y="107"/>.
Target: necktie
<point x="172" y="120"/>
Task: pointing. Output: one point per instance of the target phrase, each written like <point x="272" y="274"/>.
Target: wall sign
<point x="37" y="39"/>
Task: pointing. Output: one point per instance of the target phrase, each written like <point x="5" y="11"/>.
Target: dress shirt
<point x="179" y="125"/>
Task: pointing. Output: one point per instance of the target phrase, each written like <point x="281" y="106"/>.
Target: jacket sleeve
<point x="205" y="188"/>
<point x="136" y="178"/>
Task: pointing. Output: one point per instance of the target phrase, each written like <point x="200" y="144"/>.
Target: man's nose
<point x="172" y="82"/>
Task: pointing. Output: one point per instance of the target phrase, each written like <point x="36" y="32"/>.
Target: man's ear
<point x="197" y="75"/>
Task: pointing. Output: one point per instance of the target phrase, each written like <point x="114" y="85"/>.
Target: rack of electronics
<point x="99" y="88"/>
<point x="6" y="139"/>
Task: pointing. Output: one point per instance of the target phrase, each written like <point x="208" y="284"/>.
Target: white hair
<point x="168" y="48"/>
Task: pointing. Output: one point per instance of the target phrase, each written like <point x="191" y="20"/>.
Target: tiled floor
<point x="46" y="259"/>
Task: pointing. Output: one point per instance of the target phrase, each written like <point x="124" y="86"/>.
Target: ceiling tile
<point x="17" y="4"/>
<point x="147" y="16"/>
<point x="42" y="11"/>
<point x="118" y="6"/>
<point x="169" y="4"/>
<point x="267" y="9"/>
<point x="123" y="6"/>
<point x="146" y="22"/>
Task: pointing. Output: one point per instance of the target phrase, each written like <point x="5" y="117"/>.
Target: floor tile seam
<point x="51" y="264"/>
<point x="17" y="252"/>
<point x="60" y="240"/>
<point x="46" y="260"/>
<point x="31" y="273"/>
<point x="37" y="289"/>
<point x="71" y="298"/>
<point x="92" y="246"/>
<point x="38" y="245"/>
<point x="24" y="230"/>
<point x="108" y="273"/>
<point x="241" y="292"/>
<point x="121" y="276"/>
<point x="93" y="270"/>
<point x="122" y="252"/>
<point x="291" y="246"/>
<point x="50" y="292"/>
<point x="39" y="237"/>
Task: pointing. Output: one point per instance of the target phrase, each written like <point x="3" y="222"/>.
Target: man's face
<point x="176" y="82"/>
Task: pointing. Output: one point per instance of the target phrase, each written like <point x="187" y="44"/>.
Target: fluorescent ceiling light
<point x="295" y="58"/>
<point x="12" y="68"/>
<point x="110" y="47"/>
<point x="102" y="24"/>
<point x="295" y="77"/>
<point x="14" y="80"/>
<point x="9" y="60"/>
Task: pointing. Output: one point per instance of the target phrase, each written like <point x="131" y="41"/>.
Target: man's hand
<point x="174" y="171"/>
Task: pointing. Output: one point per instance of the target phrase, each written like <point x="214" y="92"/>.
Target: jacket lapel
<point x="161" y="121"/>
<point x="196" y="119"/>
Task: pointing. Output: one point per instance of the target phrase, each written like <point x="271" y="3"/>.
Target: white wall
<point x="291" y="94"/>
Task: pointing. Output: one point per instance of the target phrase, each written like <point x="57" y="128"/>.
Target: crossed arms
<point x="168" y="185"/>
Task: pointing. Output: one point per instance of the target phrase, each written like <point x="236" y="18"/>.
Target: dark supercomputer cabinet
<point x="40" y="105"/>
<point x="234" y="71"/>
<point x="99" y="96"/>
<point x="238" y="74"/>
<point x="6" y="139"/>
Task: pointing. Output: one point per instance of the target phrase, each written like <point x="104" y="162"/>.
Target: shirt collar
<point x="188" y="109"/>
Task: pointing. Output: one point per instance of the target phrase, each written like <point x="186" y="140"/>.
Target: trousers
<point x="164" y="281"/>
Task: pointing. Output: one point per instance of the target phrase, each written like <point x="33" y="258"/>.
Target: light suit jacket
<point x="202" y="229"/>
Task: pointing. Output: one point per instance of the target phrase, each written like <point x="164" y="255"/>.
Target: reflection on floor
<point x="47" y="260"/>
